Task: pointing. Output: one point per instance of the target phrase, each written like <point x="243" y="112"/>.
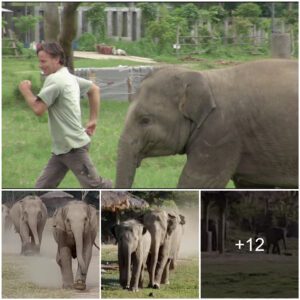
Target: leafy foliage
<point x="97" y="16"/>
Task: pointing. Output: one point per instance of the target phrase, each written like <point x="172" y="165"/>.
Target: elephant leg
<point x="141" y="280"/>
<point x="165" y="275"/>
<point x="136" y="272"/>
<point x="211" y="169"/>
<point x="64" y="260"/>
<point x="80" y="278"/>
<point x="160" y="268"/>
<point x="122" y="269"/>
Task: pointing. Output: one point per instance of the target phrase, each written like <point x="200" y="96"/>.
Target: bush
<point x="87" y="42"/>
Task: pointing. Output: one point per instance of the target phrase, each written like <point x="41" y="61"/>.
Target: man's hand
<point x="38" y="106"/>
<point x="25" y="87"/>
<point x="91" y="127"/>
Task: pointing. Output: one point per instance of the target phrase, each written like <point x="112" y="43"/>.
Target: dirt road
<point x="39" y="276"/>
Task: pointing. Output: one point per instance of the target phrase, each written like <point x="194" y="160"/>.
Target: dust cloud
<point x="43" y="270"/>
<point x="190" y="242"/>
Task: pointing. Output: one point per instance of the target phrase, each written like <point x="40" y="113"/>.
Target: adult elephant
<point x="29" y="217"/>
<point x="75" y="228"/>
<point x="238" y="123"/>
<point x="134" y="242"/>
<point x="165" y="240"/>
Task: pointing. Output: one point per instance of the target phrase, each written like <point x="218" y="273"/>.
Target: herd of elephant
<point x="151" y="242"/>
<point x="75" y="227"/>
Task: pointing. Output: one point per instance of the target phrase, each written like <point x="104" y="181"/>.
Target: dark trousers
<point x="78" y="161"/>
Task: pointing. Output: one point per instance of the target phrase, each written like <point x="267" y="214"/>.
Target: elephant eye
<point x="145" y="121"/>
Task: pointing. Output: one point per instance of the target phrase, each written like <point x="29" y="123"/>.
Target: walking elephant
<point x="29" y="217"/>
<point x="6" y="219"/>
<point x="175" y="243"/>
<point x="272" y="236"/>
<point x="75" y="228"/>
<point x="238" y="123"/>
<point x="134" y="242"/>
<point x="165" y="241"/>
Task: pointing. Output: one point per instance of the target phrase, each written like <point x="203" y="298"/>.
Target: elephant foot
<point x="134" y="289"/>
<point x="67" y="286"/>
<point x="79" y="285"/>
<point x="165" y="282"/>
<point x="156" y="286"/>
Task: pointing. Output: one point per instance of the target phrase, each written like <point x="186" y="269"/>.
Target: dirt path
<point x="40" y="274"/>
<point x="94" y="55"/>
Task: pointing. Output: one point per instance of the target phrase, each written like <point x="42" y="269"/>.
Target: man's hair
<point x="53" y="49"/>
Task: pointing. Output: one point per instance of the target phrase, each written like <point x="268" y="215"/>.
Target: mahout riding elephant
<point x="75" y="228"/>
<point x="238" y="123"/>
<point x="6" y="219"/>
<point x="29" y="216"/>
<point x="134" y="242"/>
<point x="164" y="227"/>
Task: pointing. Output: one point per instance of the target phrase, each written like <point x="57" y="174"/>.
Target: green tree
<point x="189" y="12"/>
<point x="24" y="24"/>
<point x="249" y="11"/>
<point x="97" y="16"/>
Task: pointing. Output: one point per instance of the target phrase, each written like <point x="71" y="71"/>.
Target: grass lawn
<point x="26" y="141"/>
<point x="250" y="274"/>
<point x="184" y="281"/>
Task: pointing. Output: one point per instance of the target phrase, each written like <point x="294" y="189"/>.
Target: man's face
<point x="47" y="63"/>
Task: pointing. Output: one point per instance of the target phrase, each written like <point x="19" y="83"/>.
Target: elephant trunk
<point x="78" y="236"/>
<point x="32" y="223"/>
<point x="153" y="262"/>
<point x="128" y="267"/>
<point x="126" y="165"/>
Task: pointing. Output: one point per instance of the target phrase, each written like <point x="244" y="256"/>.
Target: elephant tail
<point x="96" y="246"/>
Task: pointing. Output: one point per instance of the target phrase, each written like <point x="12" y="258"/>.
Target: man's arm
<point x="94" y="102"/>
<point x="37" y="106"/>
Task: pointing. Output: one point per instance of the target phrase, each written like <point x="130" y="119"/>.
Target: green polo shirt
<point x="61" y="92"/>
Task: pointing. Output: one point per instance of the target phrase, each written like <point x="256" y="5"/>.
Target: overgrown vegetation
<point x="202" y="25"/>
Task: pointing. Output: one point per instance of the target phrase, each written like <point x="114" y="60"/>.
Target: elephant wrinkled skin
<point x="238" y="123"/>
<point x="29" y="217"/>
<point x="75" y="228"/>
<point x="134" y="242"/>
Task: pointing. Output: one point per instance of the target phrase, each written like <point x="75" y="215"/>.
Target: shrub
<point x="87" y="42"/>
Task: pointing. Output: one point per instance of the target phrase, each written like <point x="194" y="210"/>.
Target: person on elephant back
<point x="60" y="96"/>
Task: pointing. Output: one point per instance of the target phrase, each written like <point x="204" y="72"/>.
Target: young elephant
<point x="166" y="232"/>
<point x="238" y="123"/>
<point x="75" y="228"/>
<point x="273" y="235"/>
<point x="29" y="217"/>
<point x="133" y="248"/>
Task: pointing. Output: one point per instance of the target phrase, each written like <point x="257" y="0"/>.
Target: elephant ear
<point x="182" y="219"/>
<point x="92" y="213"/>
<point x="172" y="222"/>
<point x="197" y="101"/>
<point x="58" y="219"/>
<point x="115" y="230"/>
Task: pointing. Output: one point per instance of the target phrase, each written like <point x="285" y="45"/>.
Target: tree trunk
<point x="68" y="32"/>
<point x="51" y="21"/>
